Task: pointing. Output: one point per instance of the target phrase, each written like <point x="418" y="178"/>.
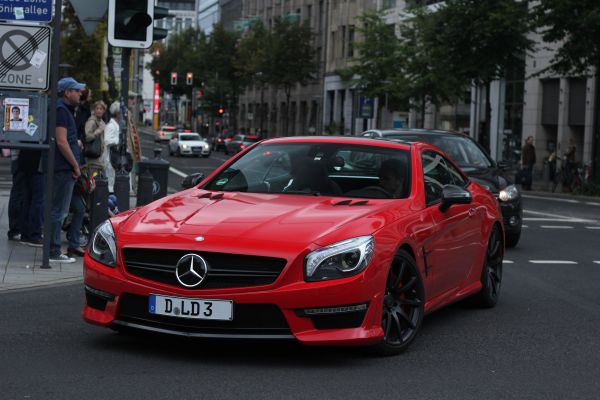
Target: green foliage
<point x="80" y="51"/>
<point x="576" y="25"/>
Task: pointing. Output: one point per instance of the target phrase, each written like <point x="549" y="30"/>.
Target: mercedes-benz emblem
<point x="191" y="270"/>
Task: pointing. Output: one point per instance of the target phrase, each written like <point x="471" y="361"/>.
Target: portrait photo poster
<point x="16" y="114"/>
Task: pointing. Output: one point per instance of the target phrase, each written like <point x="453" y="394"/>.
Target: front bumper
<point x="277" y="311"/>
<point x="512" y="214"/>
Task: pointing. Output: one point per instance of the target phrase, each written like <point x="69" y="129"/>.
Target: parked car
<point x="165" y="133"/>
<point x="220" y="141"/>
<point x="477" y="164"/>
<point x="239" y="142"/>
<point x="189" y="144"/>
<point x="323" y="240"/>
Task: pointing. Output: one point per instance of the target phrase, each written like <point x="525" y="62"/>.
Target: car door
<point x="451" y="250"/>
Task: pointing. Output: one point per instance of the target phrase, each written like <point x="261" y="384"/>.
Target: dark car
<point x="239" y="142"/>
<point x="220" y="140"/>
<point x="477" y="164"/>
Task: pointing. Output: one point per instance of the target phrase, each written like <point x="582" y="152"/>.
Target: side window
<point x="436" y="175"/>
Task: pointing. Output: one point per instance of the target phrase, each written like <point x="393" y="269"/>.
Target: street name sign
<point x="26" y="10"/>
<point x="24" y="51"/>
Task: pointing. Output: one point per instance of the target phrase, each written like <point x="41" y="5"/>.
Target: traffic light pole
<point x="122" y="176"/>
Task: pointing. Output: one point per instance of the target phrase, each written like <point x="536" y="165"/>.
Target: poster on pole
<point x="16" y="114"/>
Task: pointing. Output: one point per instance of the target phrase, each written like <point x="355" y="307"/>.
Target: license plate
<point x="183" y="307"/>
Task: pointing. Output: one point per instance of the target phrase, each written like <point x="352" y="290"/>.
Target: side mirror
<point x="192" y="180"/>
<point x="452" y="194"/>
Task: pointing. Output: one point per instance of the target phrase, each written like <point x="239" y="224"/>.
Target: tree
<point x="80" y="51"/>
<point x="291" y="58"/>
<point x="470" y="41"/>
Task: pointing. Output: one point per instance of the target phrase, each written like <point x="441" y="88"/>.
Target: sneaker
<point x="78" y="251"/>
<point x="15" y="238"/>
<point x="62" y="258"/>
<point x="33" y="242"/>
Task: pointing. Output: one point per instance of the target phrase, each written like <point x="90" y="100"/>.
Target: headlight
<point x="511" y="192"/>
<point x="185" y="146"/>
<point x="339" y="260"/>
<point x="104" y="247"/>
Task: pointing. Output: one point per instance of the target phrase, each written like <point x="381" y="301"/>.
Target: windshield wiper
<point x="307" y="192"/>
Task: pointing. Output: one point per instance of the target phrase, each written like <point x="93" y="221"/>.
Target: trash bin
<point x="159" y="169"/>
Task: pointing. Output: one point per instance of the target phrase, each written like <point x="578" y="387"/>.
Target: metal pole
<point x="122" y="176"/>
<point x="596" y="130"/>
<point x="51" y="133"/>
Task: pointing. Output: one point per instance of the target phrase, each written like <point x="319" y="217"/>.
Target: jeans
<point x="63" y="191"/>
<point x="31" y="220"/>
<point x="15" y="199"/>
<point x="78" y="209"/>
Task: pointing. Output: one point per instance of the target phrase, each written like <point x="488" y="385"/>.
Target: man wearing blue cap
<point x="66" y="162"/>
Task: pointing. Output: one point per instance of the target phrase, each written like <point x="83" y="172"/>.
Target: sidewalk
<point x="20" y="264"/>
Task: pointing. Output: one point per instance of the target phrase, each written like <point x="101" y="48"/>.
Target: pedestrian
<point x="66" y="163"/>
<point x="31" y="216"/>
<point x="133" y="141"/>
<point x="111" y="141"/>
<point x="528" y="161"/>
<point x="94" y="138"/>
<point x="16" y="197"/>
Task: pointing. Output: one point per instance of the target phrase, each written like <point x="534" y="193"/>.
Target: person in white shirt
<point x="111" y="138"/>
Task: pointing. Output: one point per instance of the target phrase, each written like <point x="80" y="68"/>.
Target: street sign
<point x="24" y="51"/>
<point x="90" y="13"/>
<point x="366" y="106"/>
<point x="26" y="10"/>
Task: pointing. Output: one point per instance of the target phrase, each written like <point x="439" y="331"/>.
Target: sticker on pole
<point x="24" y="53"/>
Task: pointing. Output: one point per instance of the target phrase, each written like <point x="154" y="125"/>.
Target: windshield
<point x="190" y="136"/>
<point x="318" y="169"/>
<point x="251" y="139"/>
<point x="463" y="151"/>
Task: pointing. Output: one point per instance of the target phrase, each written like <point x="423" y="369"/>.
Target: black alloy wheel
<point x="403" y="305"/>
<point x="491" y="274"/>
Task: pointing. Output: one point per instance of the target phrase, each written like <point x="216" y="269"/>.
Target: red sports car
<point x="325" y="240"/>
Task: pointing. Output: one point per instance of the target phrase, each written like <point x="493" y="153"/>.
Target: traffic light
<point x="173" y="78"/>
<point x="130" y="23"/>
<point x="160" y="13"/>
<point x="189" y="79"/>
<point x="221" y="111"/>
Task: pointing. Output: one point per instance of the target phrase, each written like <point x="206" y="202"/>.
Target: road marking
<point x="177" y="172"/>
<point x="524" y="226"/>
<point x="596" y="262"/>
<point x="507" y="262"/>
<point x="590" y="203"/>
<point x="551" y="199"/>
<point x="556" y="227"/>
<point x="552" y="262"/>
<point x="592" y="227"/>
<point x="562" y="218"/>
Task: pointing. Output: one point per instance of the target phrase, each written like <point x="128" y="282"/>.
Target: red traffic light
<point x="221" y="110"/>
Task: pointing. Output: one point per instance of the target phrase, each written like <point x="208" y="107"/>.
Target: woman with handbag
<point x="94" y="140"/>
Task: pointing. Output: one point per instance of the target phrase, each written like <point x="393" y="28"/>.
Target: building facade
<point x="263" y="109"/>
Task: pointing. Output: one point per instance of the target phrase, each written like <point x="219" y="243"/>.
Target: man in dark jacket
<point x="528" y="161"/>
<point x="66" y="164"/>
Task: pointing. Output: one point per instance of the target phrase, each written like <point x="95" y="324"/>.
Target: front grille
<point x="251" y="320"/>
<point x="224" y="270"/>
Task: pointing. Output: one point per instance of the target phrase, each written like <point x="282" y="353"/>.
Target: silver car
<point x="189" y="144"/>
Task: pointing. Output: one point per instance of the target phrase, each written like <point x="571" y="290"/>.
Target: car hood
<point x="193" y="143"/>
<point x="255" y="218"/>
<point x="491" y="178"/>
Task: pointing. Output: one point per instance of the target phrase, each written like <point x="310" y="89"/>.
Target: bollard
<point x="159" y="169"/>
<point x="157" y="153"/>
<point x="99" y="202"/>
<point x="145" y="183"/>
<point x="122" y="190"/>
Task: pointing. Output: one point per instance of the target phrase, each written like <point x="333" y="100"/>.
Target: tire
<point x="403" y="306"/>
<point x="491" y="273"/>
<point x="512" y="239"/>
<point x="178" y="152"/>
